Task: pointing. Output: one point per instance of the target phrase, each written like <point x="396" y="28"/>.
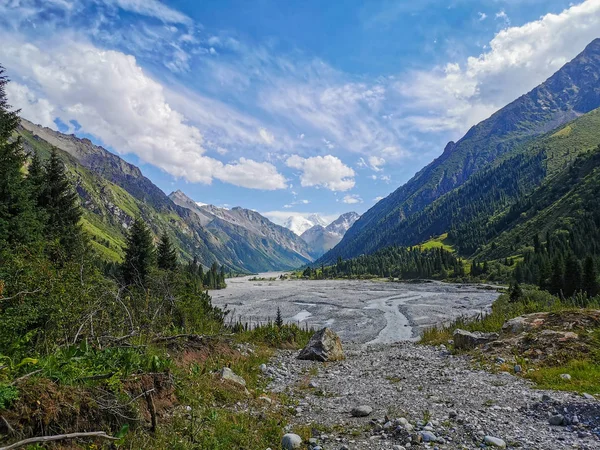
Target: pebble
<point x="494" y="442"/>
<point x="361" y="411"/>
<point x="565" y="376"/>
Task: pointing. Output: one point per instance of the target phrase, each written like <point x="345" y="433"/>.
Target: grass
<point x="584" y="367"/>
<point x="441" y="241"/>
<point x="195" y="408"/>
<point x="584" y="377"/>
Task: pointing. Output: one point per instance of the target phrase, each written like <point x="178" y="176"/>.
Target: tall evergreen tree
<point x="166" y="258"/>
<point x="18" y="221"/>
<point x="590" y="277"/>
<point x="61" y="204"/>
<point x="573" y="275"/>
<point x="139" y="254"/>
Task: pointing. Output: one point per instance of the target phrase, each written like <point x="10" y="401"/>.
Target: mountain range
<point x="322" y="239"/>
<point x="299" y="224"/>
<point x="113" y="192"/>
<point x="471" y="189"/>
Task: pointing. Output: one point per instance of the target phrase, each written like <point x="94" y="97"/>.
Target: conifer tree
<point x="18" y="221"/>
<point x="573" y="276"/>
<point x="590" y="277"/>
<point x="279" y="318"/>
<point x="166" y="256"/>
<point x="61" y="204"/>
<point x="139" y="254"/>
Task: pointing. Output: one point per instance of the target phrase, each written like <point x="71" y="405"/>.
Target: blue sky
<point x="285" y="107"/>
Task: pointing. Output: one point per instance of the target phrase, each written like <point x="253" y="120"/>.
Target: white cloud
<point x="327" y="171"/>
<point x="376" y="162"/>
<point x="112" y="98"/>
<point x="266" y="136"/>
<point x="151" y="8"/>
<point x="482" y="15"/>
<point x="37" y="110"/>
<point x="457" y="96"/>
<point x="504" y="17"/>
<point x="376" y="199"/>
<point x="352" y="199"/>
<point x="251" y="174"/>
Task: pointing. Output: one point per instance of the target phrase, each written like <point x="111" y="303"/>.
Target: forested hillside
<point x="574" y="90"/>
<point x="113" y="193"/>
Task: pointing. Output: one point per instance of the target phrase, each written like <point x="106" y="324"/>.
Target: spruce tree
<point x="139" y="254"/>
<point x="573" y="276"/>
<point x="166" y="256"/>
<point x="61" y="205"/>
<point x="18" y="220"/>
<point x="279" y="318"/>
<point x="590" y="277"/>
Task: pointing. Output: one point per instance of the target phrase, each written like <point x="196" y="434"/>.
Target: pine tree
<point x="516" y="293"/>
<point x="18" y="220"/>
<point x="590" y="277"/>
<point x="61" y="205"/>
<point x="139" y="254"/>
<point x="279" y="318"/>
<point x="36" y="176"/>
<point x="166" y="256"/>
<point x="573" y="276"/>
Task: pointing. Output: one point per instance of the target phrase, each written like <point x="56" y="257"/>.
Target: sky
<point x="285" y="107"/>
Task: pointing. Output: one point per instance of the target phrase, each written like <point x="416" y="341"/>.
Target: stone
<point x="228" y="375"/>
<point x="518" y="368"/>
<point x="313" y="384"/>
<point x="494" y="442"/>
<point x="263" y="368"/>
<point x="291" y="441"/>
<point x="428" y="436"/>
<point x="466" y="340"/>
<point x="398" y="447"/>
<point x="361" y="411"/>
<point x="565" y="376"/>
<point x="557" y="420"/>
<point x="588" y="396"/>
<point x="324" y="345"/>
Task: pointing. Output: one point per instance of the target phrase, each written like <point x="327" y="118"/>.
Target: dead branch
<point x="152" y="409"/>
<point x="11" y="430"/>
<point x="60" y="437"/>
<point x="19" y="294"/>
<point x="25" y="377"/>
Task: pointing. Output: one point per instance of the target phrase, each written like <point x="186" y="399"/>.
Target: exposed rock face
<point x="322" y="239"/>
<point x="466" y="340"/>
<point x="325" y="345"/>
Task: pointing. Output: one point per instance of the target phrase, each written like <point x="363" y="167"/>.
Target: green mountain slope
<point x="572" y="91"/>
<point x="114" y="192"/>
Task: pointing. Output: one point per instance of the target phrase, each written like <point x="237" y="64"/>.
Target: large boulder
<point x="324" y="345"/>
<point x="466" y="340"/>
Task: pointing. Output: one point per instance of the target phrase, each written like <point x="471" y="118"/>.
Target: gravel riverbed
<point x="442" y="397"/>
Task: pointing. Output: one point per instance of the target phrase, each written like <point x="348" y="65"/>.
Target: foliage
<point x="166" y="255"/>
<point x="394" y="262"/>
<point x="139" y="254"/>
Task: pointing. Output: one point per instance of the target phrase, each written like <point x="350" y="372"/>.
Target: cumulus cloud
<point x="326" y="171"/>
<point x="112" y="98"/>
<point x="37" y="110"/>
<point x="457" y="96"/>
<point x="352" y="199"/>
<point x="376" y="162"/>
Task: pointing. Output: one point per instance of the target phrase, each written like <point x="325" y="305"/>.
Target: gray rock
<point x="588" y="396"/>
<point x="263" y="368"/>
<point x="494" y="442"/>
<point x="361" y="411"/>
<point x="518" y="368"/>
<point x="291" y="441"/>
<point x="428" y="436"/>
<point x="466" y="340"/>
<point x="228" y="375"/>
<point x="324" y="345"/>
<point x="557" y="419"/>
<point x="565" y="376"/>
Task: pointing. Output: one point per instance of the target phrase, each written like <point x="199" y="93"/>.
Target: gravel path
<point x="437" y="393"/>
